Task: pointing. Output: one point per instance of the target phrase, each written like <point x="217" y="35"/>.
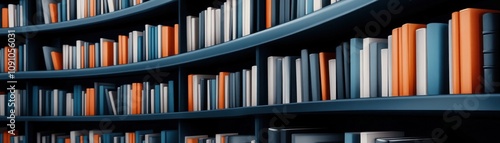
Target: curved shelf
<point x="336" y="12"/>
<point x="440" y="103"/>
<point x="84" y="22"/>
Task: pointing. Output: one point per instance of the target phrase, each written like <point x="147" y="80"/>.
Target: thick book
<point x="491" y="53"/>
<point x="356" y="44"/>
<point x="437" y="59"/>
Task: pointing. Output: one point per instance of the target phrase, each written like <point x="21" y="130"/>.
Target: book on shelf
<point x="14" y="15"/>
<point x="107" y="136"/>
<point x="281" y="11"/>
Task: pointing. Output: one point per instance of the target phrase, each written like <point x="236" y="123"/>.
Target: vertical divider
<point x="261" y="57"/>
<point x="182" y="25"/>
<point x="182" y="98"/>
<point x="28" y="134"/>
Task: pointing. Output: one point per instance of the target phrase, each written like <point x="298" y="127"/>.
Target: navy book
<point x="315" y="77"/>
<point x="339" y="56"/>
<point x="437" y="59"/>
<point x="491" y="45"/>
<point x="306" y="84"/>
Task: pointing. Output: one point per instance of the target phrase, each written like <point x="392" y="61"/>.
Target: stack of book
<point x="108" y="136"/>
<point x="104" y="99"/>
<point x="14" y="15"/>
<point x="225" y="90"/>
<point x="14" y="59"/>
<point x="153" y="43"/>
<point x="64" y="10"/>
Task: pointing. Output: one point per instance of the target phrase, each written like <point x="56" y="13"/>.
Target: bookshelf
<point x="418" y="115"/>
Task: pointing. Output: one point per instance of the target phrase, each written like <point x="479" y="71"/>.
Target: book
<point x="437" y="59"/>
<point x="356" y="44"/>
<point x="421" y="61"/>
<point x="491" y="39"/>
<point x="47" y="54"/>
<point x="317" y="137"/>
<point x="408" y="58"/>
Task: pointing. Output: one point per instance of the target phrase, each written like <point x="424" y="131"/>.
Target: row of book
<point x="14" y="15"/>
<point x="6" y="137"/>
<point x="13" y="57"/>
<point x="17" y="102"/>
<point x="281" y="11"/>
<point x="108" y="136"/>
<point x="233" y="19"/>
<point x="104" y="99"/>
<point x="302" y="135"/>
<point x="64" y="10"/>
<point x="225" y="90"/>
<point x="220" y="138"/>
<point x="153" y="43"/>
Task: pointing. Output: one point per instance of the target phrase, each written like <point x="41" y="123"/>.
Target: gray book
<point x="375" y="69"/>
<point x="317" y="138"/>
<point x="240" y="138"/>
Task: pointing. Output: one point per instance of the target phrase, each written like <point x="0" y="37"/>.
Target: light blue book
<point x="356" y="45"/>
<point x="352" y="137"/>
<point x="306" y="84"/>
<point x="169" y="136"/>
<point x="21" y="57"/>
<point x="171" y="101"/>
<point x="63" y="10"/>
<point x="97" y="55"/>
<point x="309" y="8"/>
<point x="239" y="17"/>
<point x="437" y="59"/>
<point x="86" y="55"/>
<point x="157" y="103"/>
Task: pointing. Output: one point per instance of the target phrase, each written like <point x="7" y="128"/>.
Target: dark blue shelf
<point x="91" y="21"/>
<point x="310" y="22"/>
<point x="402" y="105"/>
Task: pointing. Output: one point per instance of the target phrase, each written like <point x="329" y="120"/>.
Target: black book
<point x="491" y="45"/>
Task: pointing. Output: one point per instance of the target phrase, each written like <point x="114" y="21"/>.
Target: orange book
<point x="325" y="78"/>
<point x="138" y="1"/>
<point x="408" y="58"/>
<point x="82" y="57"/>
<point x="168" y="47"/>
<point x="455" y="22"/>
<point x="53" y="12"/>
<point x="222" y="89"/>
<point x="92" y="102"/>
<point x="67" y="140"/>
<point x="400" y="69"/>
<point x="176" y="38"/>
<point x="134" y="98"/>
<point x="87" y="102"/>
<point x="92" y="8"/>
<point x="96" y="138"/>
<point x="471" y="49"/>
<point x="132" y="139"/>
<point x="192" y="140"/>
<point x="125" y="49"/>
<point x="81" y="139"/>
<point x="120" y="49"/>
<point x="57" y="60"/>
<point x="85" y="9"/>
<point x="6" y="58"/>
<point x="107" y="49"/>
<point x="5" y="17"/>
<point x="91" y="56"/>
<point x="395" y="61"/>
<point x="190" y="93"/>
<point x="268" y="13"/>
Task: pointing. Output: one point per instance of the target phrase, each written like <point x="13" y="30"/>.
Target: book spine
<point x="491" y="43"/>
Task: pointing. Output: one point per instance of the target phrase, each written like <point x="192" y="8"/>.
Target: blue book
<point x="375" y="69"/>
<point x="339" y="56"/>
<point x="201" y="36"/>
<point x="140" y="48"/>
<point x="171" y="101"/>
<point x="86" y="139"/>
<point x="157" y="103"/>
<point x="347" y="68"/>
<point x="108" y="137"/>
<point x="300" y="8"/>
<point x="240" y="138"/>
<point x="239" y="17"/>
<point x="315" y="77"/>
<point x="279" y="81"/>
<point x="491" y="44"/>
<point x="98" y="55"/>
<point x="87" y="54"/>
<point x="243" y="88"/>
<point x="155" y="139"/>
<point x="139" y="135"/>
<point x="151" y="42"/>
<point x="64" y="10"/>
<point x="304" y="59"/>
<point x="155" y="42"/>
<point x="74" y="57"/>
<point x="62" y="103"/>
<point x="20" y="57"/>
<point x="97" y="5"/>
<point x="203" y="94"/>
<point x="49" y="103"/>
<point x="352" y="137"/>
<point x="101" y="98"/>
<point x="213" y="90"/>
<point x="2" y="69"/>
<point x="309" y="6"/>
<point x="59" y="12"/>
<point x="437" y="59"/>
<point x="35" y="99"/>
<point x="72" y="4"/>
<point x="232" y="90"/>
<point x="125" y="4"/>
<point x="275" y="12"/>
<point x="169" y="136"/>
<point x="77" y="100"/>
<point x="119" y="102"/>
<point x="237" y="93"/>
<point x="282" y="11"/>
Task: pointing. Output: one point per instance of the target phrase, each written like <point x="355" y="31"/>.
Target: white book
<point x="162" y="103"/>
<point x="333" y="1"/>
<point x="115" y="53"/>
<point x="78" y="54"/>
<point x="361" y="74"/>
<point x="421" y="61"/>
<point x="219" y="137"/>
<point x="129" y="99"/>
<point x="234" y="19"/>
<point x="152" y="99"/>
<point x="69" y="104"/>
<point x="217" y="25"/>
<point x="113" y="99"/>
<point x="135" y="50"/>
<point x="227" y="22"/>
<point x="298" y="77"/>
<point x="196" y="92"/>
<point x="111" y="5"/>
<point x="271" y="76"/>
<point x="317" y="4"/>
<point x="195" y="32"/>
<point x="226" y="91"/>
<point x="365" y="88"/>
<point x="205" y="29"/>
<point x="165" y="97"/>
<point x="188" y="33"/>
<point x="209" y="94"/>
<point x="21" y="15"/>
<point x="246" y="20"/>
<point x="55" y="99"/>
<point x="40" y="97"/>
<point x="450" y="56"/>
<point x="285" y="72"/>
<point x="146" y="39"/>
<point x="159" y="31"/>
<point x="389" y="64"/>
<point x="332" y="71"/>
<point x="384" y="72"/>
<point x="101" y="8"/>
<point x="254" y="86"/>
<point x="370" y="137"/>
<point x="248" y="88"/>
